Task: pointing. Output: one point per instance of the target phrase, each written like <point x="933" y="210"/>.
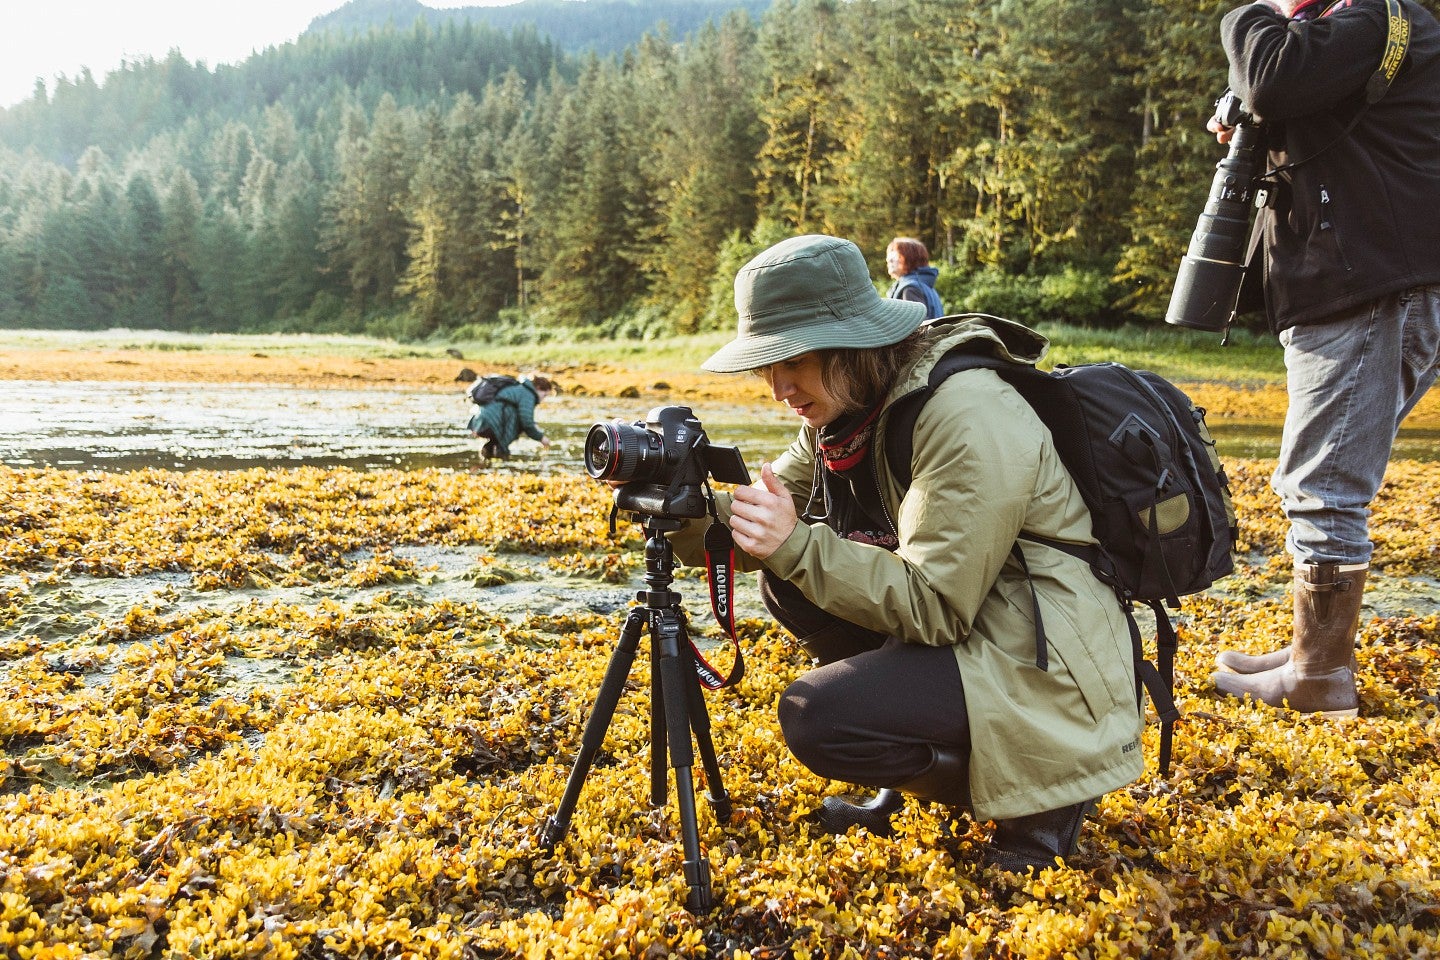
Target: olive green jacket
<point x="985" y="469"/>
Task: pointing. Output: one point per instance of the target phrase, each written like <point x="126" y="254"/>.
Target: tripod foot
<point x="721" y="806"/>
<point x="551" y="833"/>
<point x="697" y="875"/>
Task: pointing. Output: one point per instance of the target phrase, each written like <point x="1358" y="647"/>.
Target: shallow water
<point x="126" y="426"/>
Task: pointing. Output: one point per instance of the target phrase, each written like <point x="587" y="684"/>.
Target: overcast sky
<point x="45" y="38"/>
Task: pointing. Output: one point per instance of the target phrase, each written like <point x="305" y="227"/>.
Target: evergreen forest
<point x="459" y="180"/>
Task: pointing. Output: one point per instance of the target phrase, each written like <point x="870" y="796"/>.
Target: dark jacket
<point x="919" y="285"/>
<point x="1358" y="221"/>
<point x="504" y="418"/>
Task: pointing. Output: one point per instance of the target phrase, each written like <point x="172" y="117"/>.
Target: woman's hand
<point x="762" y="515"/>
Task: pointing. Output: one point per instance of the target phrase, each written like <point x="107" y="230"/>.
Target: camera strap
<point x="1397" y="45"/>
<point x="720" y="572"/>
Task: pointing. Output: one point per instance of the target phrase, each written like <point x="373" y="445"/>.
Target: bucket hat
<point x="809" y="293"/>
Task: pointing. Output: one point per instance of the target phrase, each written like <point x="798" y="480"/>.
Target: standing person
<point x="908" y="263"/>
<point x="929" y="680"/>
<point x="1351" y="269"/>
<point x="511" y="413"/>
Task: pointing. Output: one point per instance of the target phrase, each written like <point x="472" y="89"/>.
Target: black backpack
<point x="1145" y="464"/>
<point x="483" y="391"/>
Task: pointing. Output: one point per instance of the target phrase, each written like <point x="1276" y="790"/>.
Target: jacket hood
<point x="926" y="275"/>
<point x="1007" y="339"/>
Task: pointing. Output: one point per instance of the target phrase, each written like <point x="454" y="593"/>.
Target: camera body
<point x="661" y="462"/>
<point x="1207" y="285"/>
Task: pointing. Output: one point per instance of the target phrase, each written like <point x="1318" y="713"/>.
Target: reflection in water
<point x="1252" y="438"/>
<point x="127" y="426"/>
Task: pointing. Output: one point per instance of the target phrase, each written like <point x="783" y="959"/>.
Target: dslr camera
<point x="1207" y="286"/>
<point x="662" y="463"/>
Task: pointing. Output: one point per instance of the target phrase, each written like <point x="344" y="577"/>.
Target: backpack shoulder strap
<point x="900" y="421"/>
<point x="509" y="382"/>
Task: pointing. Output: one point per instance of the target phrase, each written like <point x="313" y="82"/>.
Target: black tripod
<point x="677" y="708"/>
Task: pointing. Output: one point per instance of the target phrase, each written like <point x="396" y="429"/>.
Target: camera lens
<point x="1208" y="283"/>
<point x="621" y="451"/>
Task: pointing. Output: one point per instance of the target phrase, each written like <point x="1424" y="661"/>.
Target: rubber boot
<point x="1039" y="839"/>
<point x="1319" y="677"/>
<point x="838" y="814"/>
<point x="946" y="780"/>
<point x="1237" y="662"/>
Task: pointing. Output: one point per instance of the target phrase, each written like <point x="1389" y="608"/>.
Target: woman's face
<point x="895" y="264"/>
<point x="797" y="383"/>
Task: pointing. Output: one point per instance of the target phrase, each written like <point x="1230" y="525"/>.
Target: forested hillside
<point x="428" y="179"/>
<point x="602" y="26"/>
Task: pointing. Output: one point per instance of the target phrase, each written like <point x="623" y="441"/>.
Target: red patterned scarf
<point x="843" y="449"/>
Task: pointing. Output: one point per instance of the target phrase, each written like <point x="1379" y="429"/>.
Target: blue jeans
<point x="1351" y="382"/>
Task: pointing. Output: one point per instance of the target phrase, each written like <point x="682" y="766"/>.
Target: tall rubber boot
<point x="1039" y="839"/>
<point x="1237" y="662"/>
<point x="838" y="814"/>
<point x="946" y="780"/>
<point x="1319" y="677"/>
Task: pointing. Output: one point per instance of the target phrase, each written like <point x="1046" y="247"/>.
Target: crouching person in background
<point x="512" y="412"/>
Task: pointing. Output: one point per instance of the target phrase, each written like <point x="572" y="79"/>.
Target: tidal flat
<point x="282" y="707"/>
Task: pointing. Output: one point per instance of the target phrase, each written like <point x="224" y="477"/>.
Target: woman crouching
<point x="911" y="601"/>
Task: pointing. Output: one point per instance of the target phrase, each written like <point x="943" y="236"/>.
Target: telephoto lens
<point x="1207" y="286"/>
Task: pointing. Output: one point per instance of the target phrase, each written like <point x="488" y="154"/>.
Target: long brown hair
<point x="858" y="379"/>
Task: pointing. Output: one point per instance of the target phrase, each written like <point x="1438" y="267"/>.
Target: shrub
<point x="1075" y="295"/>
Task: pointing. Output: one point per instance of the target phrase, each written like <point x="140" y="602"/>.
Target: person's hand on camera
<point x="762" y="515"/>
<point x="1222" y="132"/>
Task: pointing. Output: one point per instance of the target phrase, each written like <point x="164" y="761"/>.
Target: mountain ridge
<point x="599" y="26"/>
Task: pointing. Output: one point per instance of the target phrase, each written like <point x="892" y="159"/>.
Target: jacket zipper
<point x="875" y="472"/>
<point x="1327" y="224"/>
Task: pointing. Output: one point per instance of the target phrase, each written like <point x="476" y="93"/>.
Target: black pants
<point x="876" y="707"/>
<point x="490" y="449"/>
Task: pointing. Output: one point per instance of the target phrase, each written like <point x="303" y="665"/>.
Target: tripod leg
<point x="682" y="758"/>
<point x="596" y="726"/>
<point x="659" y="779"/>
<point x="700" y="724"/>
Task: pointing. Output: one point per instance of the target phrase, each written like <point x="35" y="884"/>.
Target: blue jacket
<point x="508" y="415"/>
<point x="919" y="285"/>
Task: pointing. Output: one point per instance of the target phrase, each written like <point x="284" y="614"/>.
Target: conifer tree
<point x="144" y="231"/>
<point x="894" y="137"/>
<point x="705" y="152"/>
<point x="798" y="49"/>
<point x="1181" y="73"/>
<point x="596" y="210"/>
<point x="182" y="253"/>
<point x="366" y="230"/>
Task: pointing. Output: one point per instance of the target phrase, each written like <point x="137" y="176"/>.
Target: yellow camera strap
<point x="1397" y="44"/>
